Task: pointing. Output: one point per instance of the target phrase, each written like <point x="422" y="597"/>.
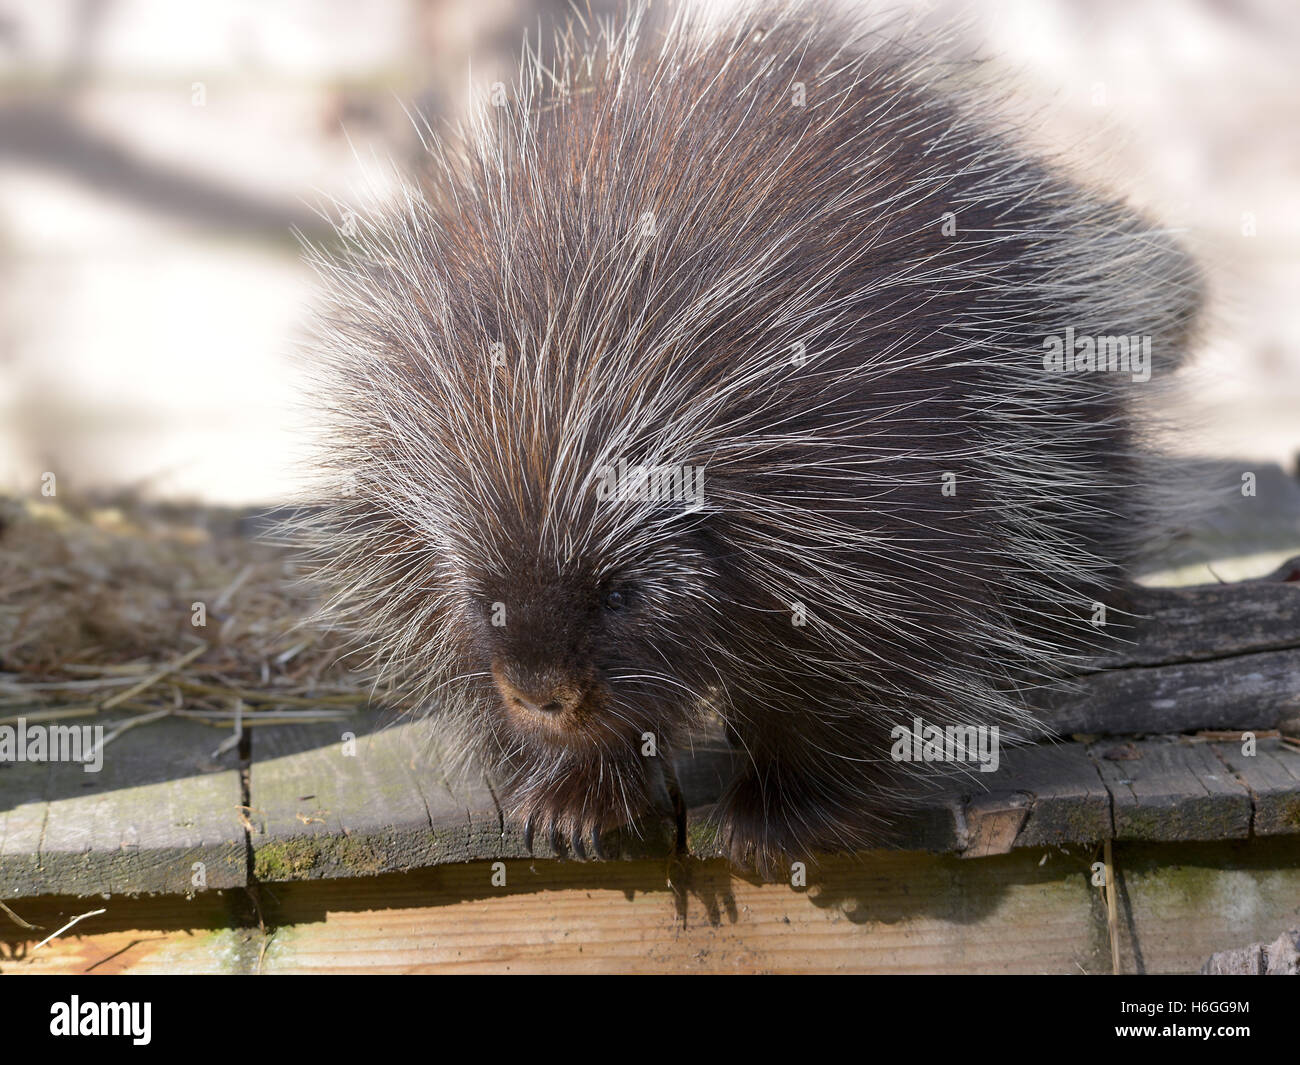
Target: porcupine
<point x="796" y="257"/>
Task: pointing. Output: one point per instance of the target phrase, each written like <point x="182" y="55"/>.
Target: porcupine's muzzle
<point x="550" y="702"/>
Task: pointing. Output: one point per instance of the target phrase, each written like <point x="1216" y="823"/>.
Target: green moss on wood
<point x="305" y="858"/>
<point x="290" y="859"/>
<point x="359" y="856"/>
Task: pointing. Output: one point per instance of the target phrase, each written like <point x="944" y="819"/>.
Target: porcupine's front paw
<point x="571" y="834"/>
<point x="641" y="824"/>
<point x="584" y="813"/>
<point x="753" y="829"/>
<point x="768" y="820"/>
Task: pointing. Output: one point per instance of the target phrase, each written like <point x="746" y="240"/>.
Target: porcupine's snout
<point x="543" y="665"/>
<point x="566" y="712"/>
<point x="544" y="696"/>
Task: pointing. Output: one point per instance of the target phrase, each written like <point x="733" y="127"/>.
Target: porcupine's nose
<point x="549" y="702"/>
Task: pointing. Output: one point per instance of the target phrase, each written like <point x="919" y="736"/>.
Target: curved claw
<point x="556" y="845"/>
<point x="579" y="848"/>
<point x="597" y="846"/>
<point x="528" y="833"/>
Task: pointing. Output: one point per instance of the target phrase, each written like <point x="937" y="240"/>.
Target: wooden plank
<point x="23" y="787"/>
<point x="319" y="812"/>
<point x="1253" y="691"/>
<point x="1042" y="794"/>
<point x="1063" y="796"/>
<point x="158" y="806"/>
<point x="324" y="805"/>
<point x="1033" y="911"/>
<point x="1165" y="790"/>
<point x="210" y="932"/>
<point x="1202" y="657"/>
<point x="894" y="913"/>
<point x="1210" y="620"/>
<point x="1272" y="775"/>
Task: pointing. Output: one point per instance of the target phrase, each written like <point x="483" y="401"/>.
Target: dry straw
<point x="99" y="615"/>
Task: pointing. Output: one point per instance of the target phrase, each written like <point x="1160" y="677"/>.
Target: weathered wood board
<point x="1032" y="911"/>
<point x="325" y="805"/>
<point x="1271" y="774"/>
<point x="1173" y="791"/>
<point x="157" y="807"/>
<point x="1067" y="800"/>
<point x="1205" y="657"/>
<point x="316" y="812"/>
<point x="1255" y="692"/>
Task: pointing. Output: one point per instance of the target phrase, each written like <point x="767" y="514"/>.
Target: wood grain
<point x="1032" y="911"/>
<point x="1205" y="657"/>
<point x="1172" y="791"/>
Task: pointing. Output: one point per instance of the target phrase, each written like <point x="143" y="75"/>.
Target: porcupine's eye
<point x="616" y="600"/>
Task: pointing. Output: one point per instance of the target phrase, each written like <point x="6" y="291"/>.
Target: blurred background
<point x="154" y="157"/>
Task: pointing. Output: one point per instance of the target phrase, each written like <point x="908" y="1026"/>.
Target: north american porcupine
<point x="798" y="254"/>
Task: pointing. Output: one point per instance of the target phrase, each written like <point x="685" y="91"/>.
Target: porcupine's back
<point x="799" y="256"/>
